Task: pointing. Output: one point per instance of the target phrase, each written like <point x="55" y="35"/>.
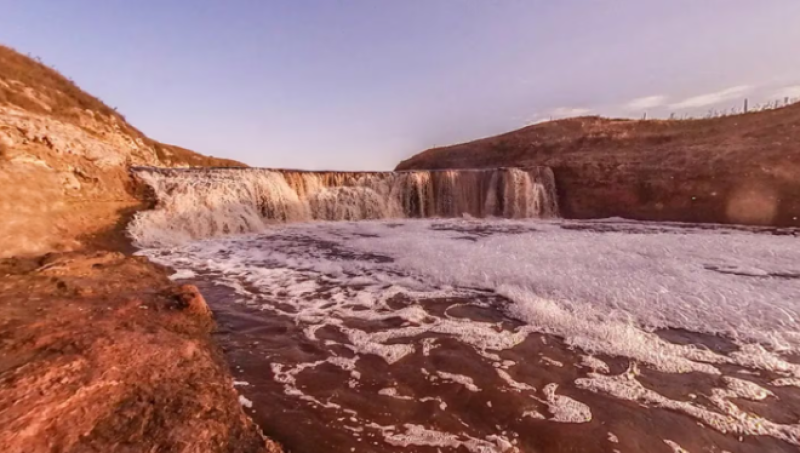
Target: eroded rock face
<point x="723" y="194"/>
<point x="61" y="183"/>
<point x="64" y="159"/>
<point x="64" y="181"/>
<point x="97" y="359"/>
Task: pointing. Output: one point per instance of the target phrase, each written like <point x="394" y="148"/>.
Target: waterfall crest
<point x="199" y="203"/>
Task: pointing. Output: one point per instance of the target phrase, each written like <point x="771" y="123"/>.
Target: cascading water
<point x="201" y="203"/>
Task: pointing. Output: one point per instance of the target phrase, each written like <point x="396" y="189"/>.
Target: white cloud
<point x="561" y="112"/>
<point x="647" y="102"/>
<point x="570" y="111"/>
<point x="707" y="99"/>
<point x="537" y="119"/>
<point x="788" y="92"/>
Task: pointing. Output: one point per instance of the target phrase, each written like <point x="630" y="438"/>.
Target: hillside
<point x="100" y="350"/>
<point x="735" y="169"/>
<point x="64" y="156"/>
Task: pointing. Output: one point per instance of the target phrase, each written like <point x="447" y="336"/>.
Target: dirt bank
<point x="101" y="352"/>
<point x="736" y="169"/>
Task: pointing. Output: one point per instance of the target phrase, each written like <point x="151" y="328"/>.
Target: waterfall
<point x="206" y="202"/>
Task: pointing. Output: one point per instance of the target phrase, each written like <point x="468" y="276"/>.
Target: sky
<point x="363" y="84"/>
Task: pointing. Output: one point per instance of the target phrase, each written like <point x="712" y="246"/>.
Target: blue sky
<point x="362" y="84"/>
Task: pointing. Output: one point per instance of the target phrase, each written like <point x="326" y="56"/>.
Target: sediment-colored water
<point x="509" y="335"/>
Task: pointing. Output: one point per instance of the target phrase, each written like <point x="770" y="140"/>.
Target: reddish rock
<point x="189" y="299"/>
<point x="102" y="369"/>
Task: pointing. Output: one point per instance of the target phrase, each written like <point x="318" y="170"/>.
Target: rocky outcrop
<point x="189" y="299"/>
<point x="64" y="159"/>
<point x="105" y="355"/>
<point x="736" y="169"/>
<point x="62" y="183"/>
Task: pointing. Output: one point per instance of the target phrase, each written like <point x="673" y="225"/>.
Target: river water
<point x="497" y="335"/>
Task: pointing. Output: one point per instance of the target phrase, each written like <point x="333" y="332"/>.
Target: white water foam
<point x="466" y="381"/>
<point x="564" y="408"/>
<point x="730" y="419"/>
<point x="245" y="402"/>
<point x="603" y="292"/>
<point x="416" y="435"/>
<point x="675" y="447"/>
<point x="594" y="364"/>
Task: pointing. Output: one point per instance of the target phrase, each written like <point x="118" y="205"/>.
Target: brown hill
<point x="100" y="351"/>
<point x="64" y="156"/>
<point x="735" y="169"/>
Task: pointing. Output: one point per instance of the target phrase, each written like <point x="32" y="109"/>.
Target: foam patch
<point x="603" y="288"/>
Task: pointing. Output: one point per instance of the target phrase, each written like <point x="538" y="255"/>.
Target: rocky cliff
<point x="735" y="169"/>
<point x="64" y="157"/>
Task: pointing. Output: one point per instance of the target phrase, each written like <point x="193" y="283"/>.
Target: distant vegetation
<point x="718" y="113"/>
<point x="28" y="83"/>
